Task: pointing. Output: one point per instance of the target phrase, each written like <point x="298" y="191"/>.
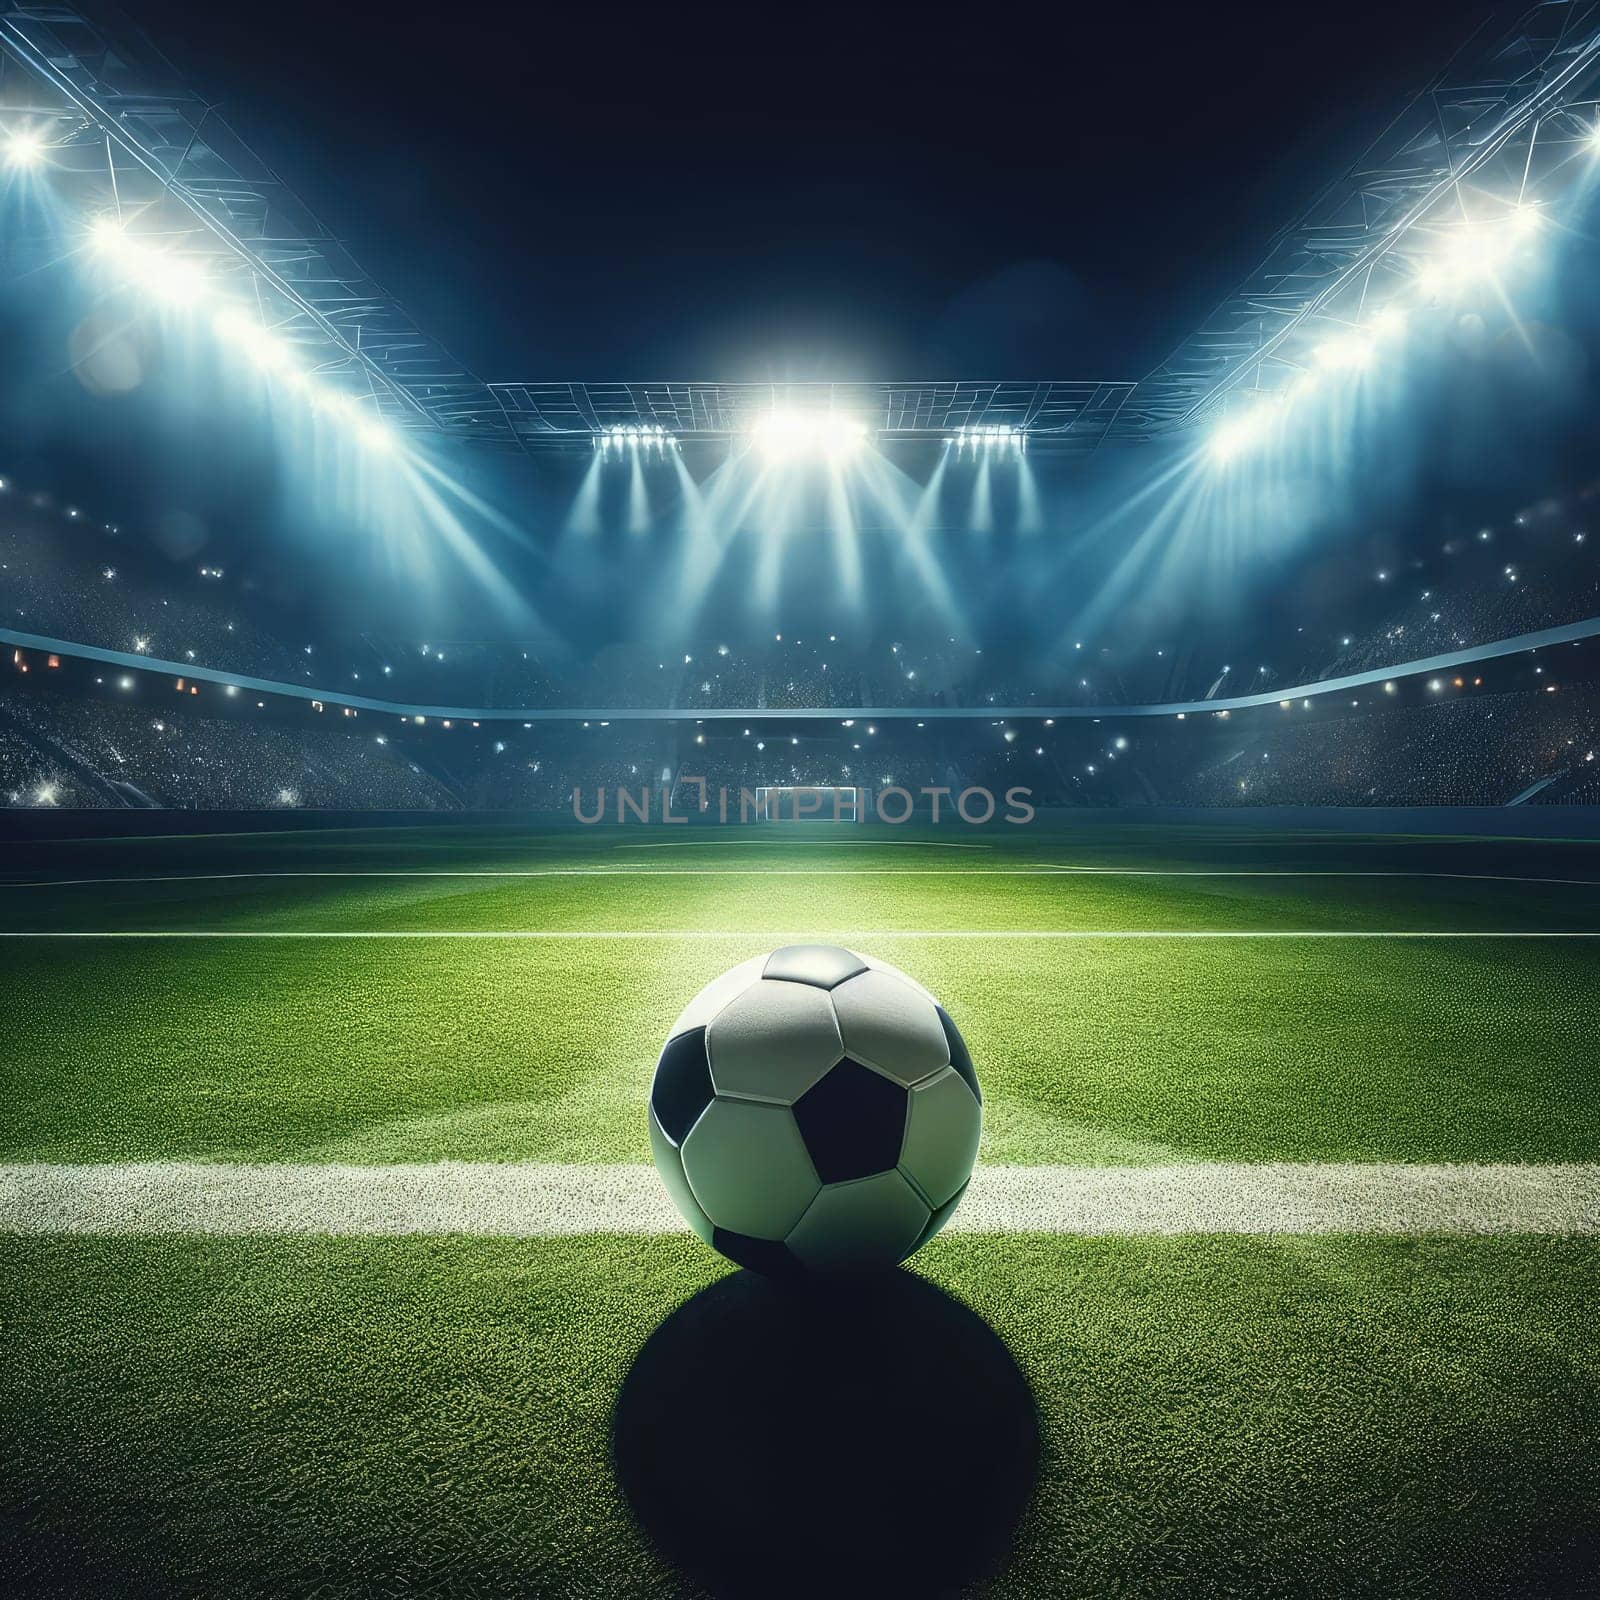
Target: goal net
<point x="803" y="802"/>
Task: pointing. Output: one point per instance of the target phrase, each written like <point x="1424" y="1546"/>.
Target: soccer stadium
<point x="673" y="923"/>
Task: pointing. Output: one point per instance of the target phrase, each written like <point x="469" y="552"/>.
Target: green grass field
<point x="1269" y="1413"/>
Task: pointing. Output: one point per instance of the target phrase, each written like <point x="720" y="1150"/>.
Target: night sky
<point x="618" y="192"/>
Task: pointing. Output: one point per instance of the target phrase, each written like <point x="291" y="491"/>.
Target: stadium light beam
<point x="980" y="515"/>
<point x="1346" y="352"/>
<point x="638" y="497"/>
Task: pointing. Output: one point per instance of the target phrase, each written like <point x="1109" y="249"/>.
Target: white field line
<point x="1043" y="871"/>
<point x="542" y="1201"/>
<point x="808" y="936"/>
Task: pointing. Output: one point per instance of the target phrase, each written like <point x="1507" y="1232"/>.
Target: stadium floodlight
<point x="267" y="351"/>
<point x="648" y="436"/>
<point x="1236" y="434"/>
<point x="787" y="433"/>
<point x="989" y="436"/>
<point x="1479" y="250"/>
<point x="278" y="358"/>
<point x="105" y="234"/>
<point x="174" y="279"/>
<point x="1525" y="221"/>
<point x="24" y="148"/>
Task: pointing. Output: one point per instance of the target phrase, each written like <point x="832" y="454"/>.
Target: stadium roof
<point x="1503" y="125"/>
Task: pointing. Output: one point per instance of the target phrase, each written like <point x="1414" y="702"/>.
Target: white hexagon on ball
<point x="772" y="1041"/>
<point x="815" y="1111"/>
<point x="749" y="1169"/>
<point x="864" y="1225"/>
<point x="891" y="1024"/>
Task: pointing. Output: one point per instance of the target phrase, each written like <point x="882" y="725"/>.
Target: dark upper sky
<point x="757" y="191"/>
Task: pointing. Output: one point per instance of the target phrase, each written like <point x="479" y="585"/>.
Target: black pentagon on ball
<point x="959" y="1059"/>
<point x="682" y="1089"/>
<point x="853" y="1122"/>
<point x="770" y="1256"/>
<point x="824" y="966"/>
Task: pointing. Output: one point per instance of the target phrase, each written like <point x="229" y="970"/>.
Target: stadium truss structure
<point x="1511" y="120"/>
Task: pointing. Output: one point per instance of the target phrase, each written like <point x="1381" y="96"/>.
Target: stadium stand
<point x="1478" y="752"/>
<point x="69" y="578"/>
<point x="1522" y="745"/>
<point x="28" y="777"/>
<point x="65" y="576"/>
<point x="178" y="760"/>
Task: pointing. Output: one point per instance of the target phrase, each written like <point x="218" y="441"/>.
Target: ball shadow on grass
<point x="874" y="1438"/>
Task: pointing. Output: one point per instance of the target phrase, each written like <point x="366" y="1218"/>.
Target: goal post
<point x="808" y="802"/>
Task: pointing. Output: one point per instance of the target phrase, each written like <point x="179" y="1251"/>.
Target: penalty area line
<point x="546" y="1200"/>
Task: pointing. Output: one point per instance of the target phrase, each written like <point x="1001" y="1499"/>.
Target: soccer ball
<point x="815" y="1109"/>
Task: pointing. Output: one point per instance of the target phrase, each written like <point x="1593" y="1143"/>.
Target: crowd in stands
<point x="62" y="576"/>
<point x="74" y="583"/>
<point x="1540" y="573"/>
<point x="536" y="769"/>
<point x="1492" y="748"/>
<point x="97" y="752"/>
<point x="896" y="756"/>
<point x="1489" y="751"/>
<point x="30" y="777"/>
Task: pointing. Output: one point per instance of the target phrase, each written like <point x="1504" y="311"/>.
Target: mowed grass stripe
<point x="540" y="1200"/>
<point x="846" y="936"/>
<point x="1108" y="1052"/>
<point x="274" y="1416"/>
<point x="998" y="901"/>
